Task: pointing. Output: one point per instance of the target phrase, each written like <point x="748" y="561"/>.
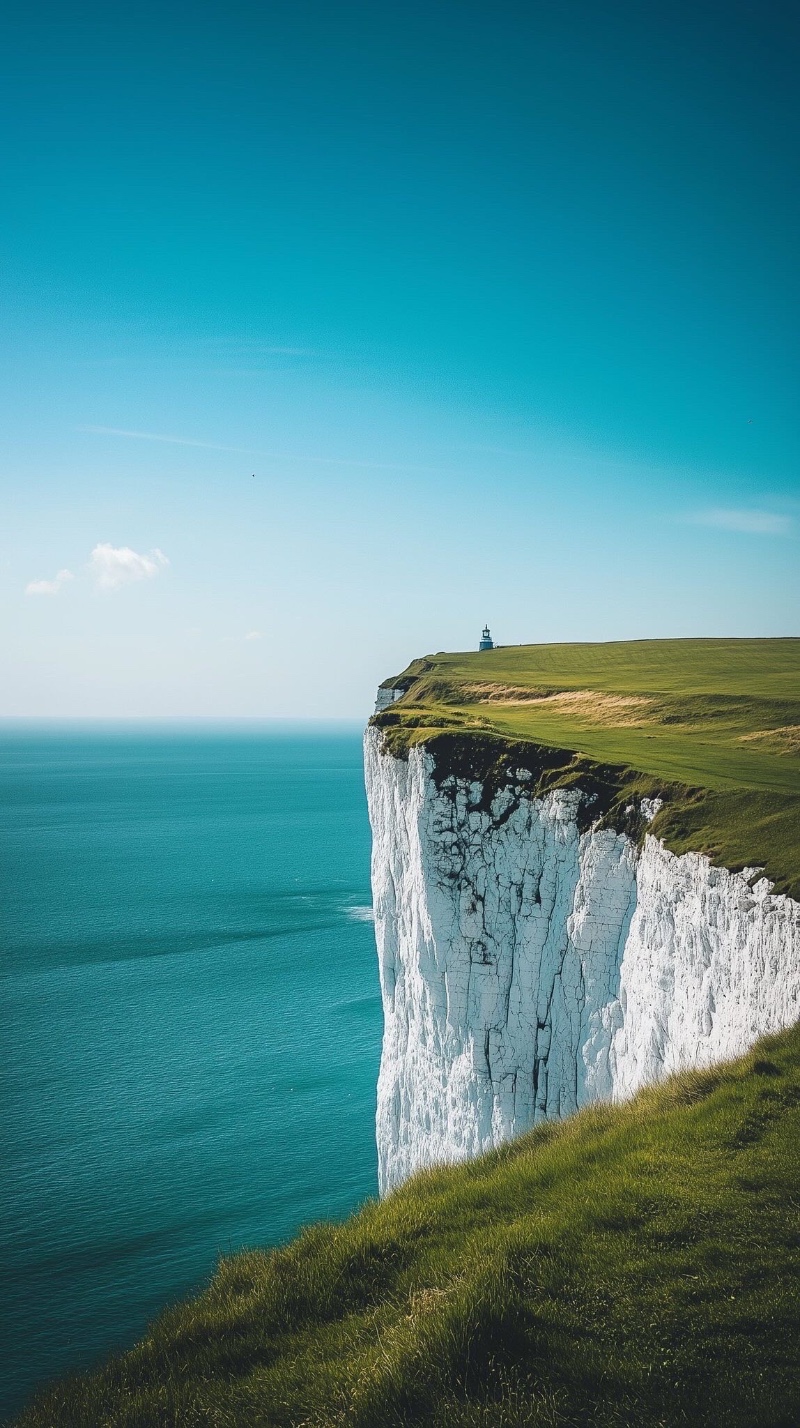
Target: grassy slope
<point x="637" y="1265"/>
<point x="703" y="699"/>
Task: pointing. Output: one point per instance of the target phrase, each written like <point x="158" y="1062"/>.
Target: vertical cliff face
<point x="528" y="968"/>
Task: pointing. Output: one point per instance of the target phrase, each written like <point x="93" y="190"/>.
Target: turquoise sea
<point x="190" y="1016"/>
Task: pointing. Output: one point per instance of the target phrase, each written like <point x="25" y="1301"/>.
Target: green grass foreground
<point x="633" y="1265"/>
<point x="715" y="722"/>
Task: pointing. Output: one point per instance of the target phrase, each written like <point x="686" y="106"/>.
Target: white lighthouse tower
<point x="487" y="643"/>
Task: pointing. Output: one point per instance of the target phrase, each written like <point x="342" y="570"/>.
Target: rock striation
<point x="528" y="967"/>
<point x="386" y="696"/>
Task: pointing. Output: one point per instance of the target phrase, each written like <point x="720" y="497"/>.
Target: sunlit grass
<point x="716" y="718"/>
<point x="635" y="1265"/>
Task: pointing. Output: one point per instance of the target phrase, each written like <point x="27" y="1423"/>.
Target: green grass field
<point x="635" y="1265"/>
<point x="716" y="721"/>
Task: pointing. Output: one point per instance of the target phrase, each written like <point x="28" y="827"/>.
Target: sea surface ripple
<point x="190" y="1016"/>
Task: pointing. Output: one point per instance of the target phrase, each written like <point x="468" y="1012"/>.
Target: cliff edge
<point x="540" y="946"/>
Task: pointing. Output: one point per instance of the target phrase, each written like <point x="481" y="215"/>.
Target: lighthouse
<point x="487" y="643"/>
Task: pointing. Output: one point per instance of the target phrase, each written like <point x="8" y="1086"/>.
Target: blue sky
<point x="499" y="303"/>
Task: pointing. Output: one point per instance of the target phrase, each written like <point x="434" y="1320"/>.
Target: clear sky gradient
<point x="331" y="330"/>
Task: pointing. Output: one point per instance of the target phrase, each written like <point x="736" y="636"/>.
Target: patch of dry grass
<point x="617" y="711"/>
<point x="491" y="692"/>
<point x="779" y="741"/>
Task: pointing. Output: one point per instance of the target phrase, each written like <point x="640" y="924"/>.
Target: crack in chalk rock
<point x="528" y="967"/>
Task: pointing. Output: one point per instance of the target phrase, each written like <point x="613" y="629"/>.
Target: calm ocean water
<point x="190" y="1017"/>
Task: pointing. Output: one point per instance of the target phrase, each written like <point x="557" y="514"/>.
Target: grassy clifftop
<point x="713" y="725"/>
<point x="634" y="1265"/>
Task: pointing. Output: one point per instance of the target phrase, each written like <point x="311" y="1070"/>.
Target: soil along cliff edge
<point x="540" y="948"/>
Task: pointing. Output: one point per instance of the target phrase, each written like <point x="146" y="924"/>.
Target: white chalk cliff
<point x="528" y="968"/>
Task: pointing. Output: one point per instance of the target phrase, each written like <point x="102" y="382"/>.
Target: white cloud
<point x="157" y="436"/>
<point x="744" y="521"/>
<point x="256" y="349"/>
<point x="253" y="635"/>
<point x="253" y="451"/>
<point x="113" y="566"/>
<point x="49" y="587"/>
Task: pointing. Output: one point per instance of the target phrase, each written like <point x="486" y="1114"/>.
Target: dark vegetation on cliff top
<point x="711" y="726"/>
<point x="635" y="1265"/>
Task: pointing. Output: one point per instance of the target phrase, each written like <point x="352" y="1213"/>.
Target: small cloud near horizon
<point x="114" y="566"/>
<point x="745" y="522"/>
<point x="49" y="587"/>
<point x="254" y="635"/>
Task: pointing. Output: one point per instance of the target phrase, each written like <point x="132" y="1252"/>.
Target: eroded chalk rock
<point x="528" y="968"/>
